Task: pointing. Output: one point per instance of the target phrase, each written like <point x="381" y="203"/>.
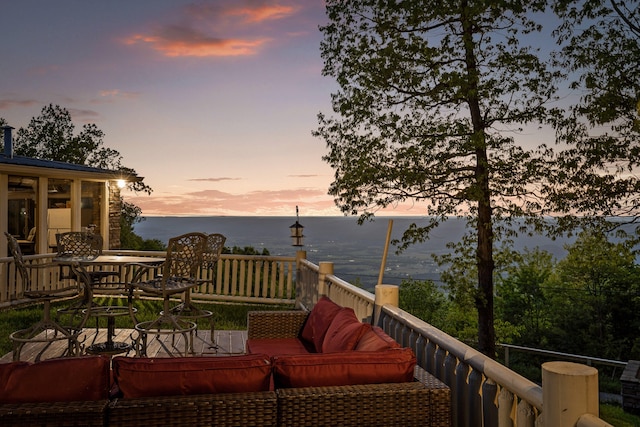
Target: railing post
<point x="385" y="294"/>
<point x="324" y="269"/>
<point x="569" y="390"/>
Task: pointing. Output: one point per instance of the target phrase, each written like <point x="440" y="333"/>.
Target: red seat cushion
<point x="344" y="332"/>
<point x="375" y="339"/>
<point x="55" y="380"/>
<point x="348" y="368"/>
<point x="318" y="322"/>
<point x="143" y="377"/>
<point x="276" y="346"/>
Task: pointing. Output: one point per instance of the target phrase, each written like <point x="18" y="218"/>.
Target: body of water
<point x="356" y="250"/>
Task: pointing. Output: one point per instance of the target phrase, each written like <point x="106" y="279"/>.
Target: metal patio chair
<point x="46" y="330"/>
<point x="179" y="273"/>
<point x="187" y="309"/>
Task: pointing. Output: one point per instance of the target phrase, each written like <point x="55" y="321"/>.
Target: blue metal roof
<point x="51" y="164"/>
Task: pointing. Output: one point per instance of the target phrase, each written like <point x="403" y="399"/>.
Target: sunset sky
<point x="212" y="102"/>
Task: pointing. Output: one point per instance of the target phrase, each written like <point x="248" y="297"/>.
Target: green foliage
<point x="424" y="300"/>
<point x="247" y="250"/>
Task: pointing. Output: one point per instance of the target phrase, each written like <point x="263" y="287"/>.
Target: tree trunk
<point x="482" y="193"/>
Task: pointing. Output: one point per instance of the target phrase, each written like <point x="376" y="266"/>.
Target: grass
<point x="227" y="316"/>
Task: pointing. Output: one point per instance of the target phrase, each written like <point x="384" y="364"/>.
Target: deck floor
<point x="226" y="343"/>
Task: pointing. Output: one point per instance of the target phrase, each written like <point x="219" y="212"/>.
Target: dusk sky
<point x="212" y="102"/>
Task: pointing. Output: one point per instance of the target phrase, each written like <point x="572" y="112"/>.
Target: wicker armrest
<point x="275" y="324"/>
<point x="85" y="413"/>
<point x="224" y="409"/>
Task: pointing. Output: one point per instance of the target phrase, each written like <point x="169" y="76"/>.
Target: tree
<point x="430" y="96"/>
<point x="593" y="299"/>
<point x="601" y="50"/>
<point x="51" y="136"/>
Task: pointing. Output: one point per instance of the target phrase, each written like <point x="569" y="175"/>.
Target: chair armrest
<point x="275" y="324"/>
<point x="139" y="269"/>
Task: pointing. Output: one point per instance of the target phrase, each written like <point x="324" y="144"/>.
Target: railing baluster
<point x="526" y="416"/>
<point x="505" y="408"/>
<point x="475" y="398"/>
<point x="489" y="403"/>
<point x="460" y="395"/>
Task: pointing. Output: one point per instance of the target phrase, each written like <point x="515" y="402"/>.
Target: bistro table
<point x="83" y="267"/>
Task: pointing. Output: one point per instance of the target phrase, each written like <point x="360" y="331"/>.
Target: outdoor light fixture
<point x="121" y="183"/>
<point x="296" y="232"/>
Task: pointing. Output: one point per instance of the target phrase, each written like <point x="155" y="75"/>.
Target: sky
<point x="213" y="102"/>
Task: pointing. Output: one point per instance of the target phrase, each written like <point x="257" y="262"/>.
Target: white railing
<point x="241" y="278"/>
<point x="484" y="392"/>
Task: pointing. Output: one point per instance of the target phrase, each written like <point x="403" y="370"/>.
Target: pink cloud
<point x="215" y="30"/>
<point x="214" y="202"/>
<point x="185" y="42"/>
<point x="6" y="104"/>
<point x="263" y="13"/>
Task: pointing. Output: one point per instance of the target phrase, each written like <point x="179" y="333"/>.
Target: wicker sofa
<point x="257" y="389"/>
<point x="366" y="380"/>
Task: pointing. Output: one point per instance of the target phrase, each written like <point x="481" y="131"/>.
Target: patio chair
<point x="179" y="274"/>
<point x="187" y="309"/>
<point x="46" y="330"/>
<point x="74" y="245"/>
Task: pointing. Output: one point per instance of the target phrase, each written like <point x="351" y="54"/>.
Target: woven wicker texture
<point x="90" y="413"/>
<point x="275" y="324"/>
<point x="225" y="410"/>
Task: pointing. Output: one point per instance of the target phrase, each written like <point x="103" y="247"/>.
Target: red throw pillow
<point x="344" y="332"/>
<point x="55" y="380"/>
<point x="375" y="339"/>
<point x="318" y="322"/>
<point x="144" y="377"/>
<point x="348" y="368"/>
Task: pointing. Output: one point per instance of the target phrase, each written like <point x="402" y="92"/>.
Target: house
<point x="39" y="198"/>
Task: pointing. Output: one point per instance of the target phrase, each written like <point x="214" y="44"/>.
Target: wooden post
<point x="385" y="294"/>
<point x="324" y="269"/>
<point x="569" y="390"/>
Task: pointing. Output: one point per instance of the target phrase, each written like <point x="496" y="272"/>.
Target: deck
<point x="227" y="342"/>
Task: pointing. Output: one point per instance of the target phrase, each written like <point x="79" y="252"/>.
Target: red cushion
<point x="348" y="368"/>
<point x="375" y="339"/>
<point x="143" y="377"/>
<point x="55" y="380"/>
<point x="276" y="346"/>
<point x="344" y="332"/>
<point x="318" y="322"/>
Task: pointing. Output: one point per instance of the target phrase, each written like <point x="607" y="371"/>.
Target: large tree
<point x="432" y="100"/>
<point x="52" y="136"/>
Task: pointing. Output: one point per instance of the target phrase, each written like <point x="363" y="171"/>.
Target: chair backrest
<point x="215" y="245"/>
<point x="79" y="244"/>
<point x="184" y="255"/>
<point x="16" y="252"/>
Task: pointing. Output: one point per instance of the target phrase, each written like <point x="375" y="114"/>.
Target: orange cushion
<point x="55" y="380"/>
<point x="344" y="332"/>
<point x="276" y="346"/>
<point x="375" y="339"/>
<point x="348" y="368"/>
<point x="143" y="377"/>
<point x="318" y="322"/>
